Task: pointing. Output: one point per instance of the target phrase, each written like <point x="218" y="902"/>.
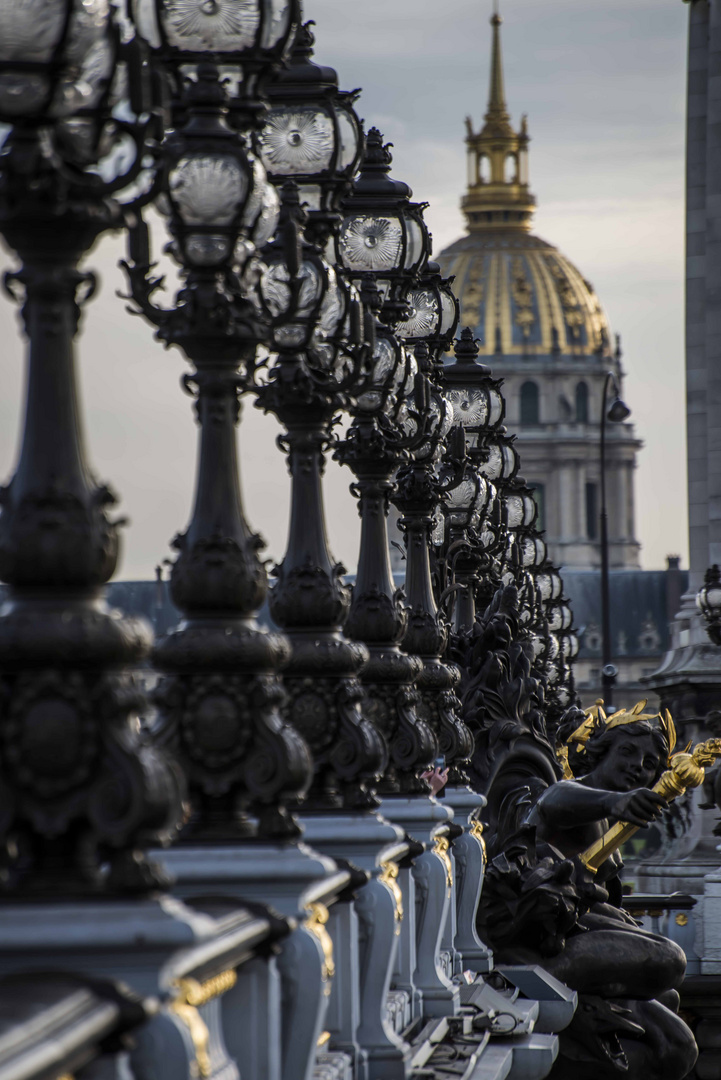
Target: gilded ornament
<point x="199" y="1035"/>
<point x="441" y="849"/>
<point x="389" y="877"/>
<point x="477" y="832"/>
<point x="196" y="993"/>
<point x="316" y="922"/>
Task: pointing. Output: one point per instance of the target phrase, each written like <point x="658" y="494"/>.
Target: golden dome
<point x="519" y="294"/>
<point x="522" y="297"/>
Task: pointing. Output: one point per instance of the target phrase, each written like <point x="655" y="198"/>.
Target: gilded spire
<point x="496" y="113"/>
<point x="498" y="194"/>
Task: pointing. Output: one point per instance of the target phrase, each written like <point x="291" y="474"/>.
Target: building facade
<point x="543" y="329"/>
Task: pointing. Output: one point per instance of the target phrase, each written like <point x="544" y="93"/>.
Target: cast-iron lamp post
<point x="616" y="413"/>
<point x="314" y="376"/>
<point x="221" y="696"/>
<point x="80" y="786"/>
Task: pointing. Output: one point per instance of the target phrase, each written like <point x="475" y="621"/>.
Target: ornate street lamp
<point x="708" y="601"/>
<point x="478" y="405"/>
<point x="377" y="443"/>
<point x="312" y="135"/>
<point x="383" y="237"/>
<point x="478" y="411"/>
<point x="81" y="786"/>
<point x="402" y="415"/>
<point x="220" y="698"/>
<point x="314" y="375"/>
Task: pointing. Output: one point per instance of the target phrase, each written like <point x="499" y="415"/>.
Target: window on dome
<point x="510" y="169"/>
<point x="484" y="169"/>
<point x="582" y="403"/>
<point x="530" y="412"/>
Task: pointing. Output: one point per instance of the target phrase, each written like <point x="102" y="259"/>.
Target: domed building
<point x="544" y="331"/>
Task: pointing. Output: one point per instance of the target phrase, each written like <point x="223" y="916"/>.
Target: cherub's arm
<point x="567" y="804"/>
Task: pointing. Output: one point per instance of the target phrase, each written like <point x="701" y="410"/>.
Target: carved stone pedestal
<point x="365" y="932"/>
<point x="276" y="1013"/>
<point x="468" y="852"/>
<point x="427" y="889"/>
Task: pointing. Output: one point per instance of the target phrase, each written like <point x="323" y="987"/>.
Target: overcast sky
<point x="603" y="84"/>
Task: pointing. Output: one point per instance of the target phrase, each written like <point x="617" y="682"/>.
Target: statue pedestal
<point x="427" y="888"/>
<point x="366" y="932"/>
<point x="276" y="1012"/>
<point x="156" y="946"/>
<point x="709" y="948"/>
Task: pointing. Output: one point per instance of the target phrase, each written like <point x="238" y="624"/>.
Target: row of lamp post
<point x="306" y="286"/>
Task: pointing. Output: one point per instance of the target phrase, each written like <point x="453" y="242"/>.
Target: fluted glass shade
<point x="297" y="142"/>
<point x="371" y="244"/>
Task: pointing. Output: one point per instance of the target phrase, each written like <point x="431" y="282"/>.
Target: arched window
<point x="484" y="169"/>
<point x="529" y="403"/>
<point x="582" y="403"/>
<point x="510" y="169"/>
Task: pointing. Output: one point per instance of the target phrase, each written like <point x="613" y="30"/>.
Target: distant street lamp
<point x="616" y="412"/>
<point x="708" y="601"/>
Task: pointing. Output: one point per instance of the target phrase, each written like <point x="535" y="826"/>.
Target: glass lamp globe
<point x="560" y="617"/>
<point x="56" y="57"/>
<point x="501" y="458"/>
<point x="466" y="501"/>
<point x="434" y="311"/>
<point x="513" y="504"/>
<point x="297" y="291"/>
<point x="569" y="646"/>
<point x="439" y="420"/>
<point x="388" y="376"/>
<point x="245" y="33"/>
<point x="533" y="551"/>
<point x="549" y="584"/>
<point x="383" y="233"/>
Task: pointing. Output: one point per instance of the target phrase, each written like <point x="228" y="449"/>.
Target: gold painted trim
<point x="477" y="832"/>
<point x="389" y="877"/>
<point x="316" y="922"/>
<point x="440" y="847"/>
<point x="199" y="1035"/>
<point x="196" y="993"/>
<point x="323" y="1038"/>
<point x="192" y="994"/>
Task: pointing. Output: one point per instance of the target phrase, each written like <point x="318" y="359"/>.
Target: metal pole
<point x="608" y="673"/>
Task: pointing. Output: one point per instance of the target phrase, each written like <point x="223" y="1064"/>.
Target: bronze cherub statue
<point x="553" y="892"/>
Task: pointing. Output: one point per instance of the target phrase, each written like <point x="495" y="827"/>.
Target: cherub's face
<point x="632" y="761"/>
